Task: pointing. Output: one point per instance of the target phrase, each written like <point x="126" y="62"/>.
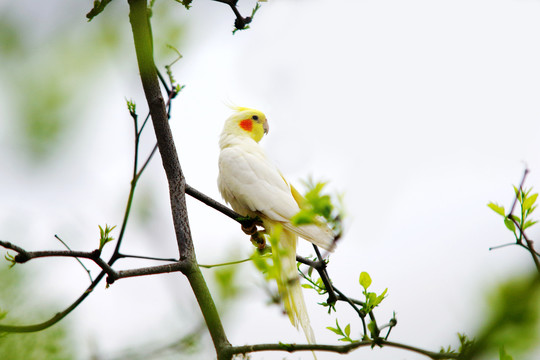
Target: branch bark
<point x="142" y="36"/>
<point x="341" y="349"/>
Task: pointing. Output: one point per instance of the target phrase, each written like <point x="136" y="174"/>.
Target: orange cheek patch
<point x="246" y="125"/>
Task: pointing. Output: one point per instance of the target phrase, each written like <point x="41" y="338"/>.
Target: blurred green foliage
<point x="228" y="283"/>
<point x="50" y="344"/>
<point x="512" y="319"/>
<point x="52" y="69"/>
<point x="317" y="206"/>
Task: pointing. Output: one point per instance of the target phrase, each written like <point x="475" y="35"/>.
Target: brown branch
<point x="216" y="205"/>
<point x="180" y="266"/>
<point x="525" y="173"/>
<point x="142" y="36"/>
<point x="24" y="256"/>
<point x="534" y="254"/>
<point x="341" y="349"/>
<point x="529" y="243"/>
<point x="171" y="164"/>
<point x="113" y="275"/>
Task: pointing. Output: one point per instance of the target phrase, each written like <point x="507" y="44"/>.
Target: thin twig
<point x="525" y="172"/>
<point x="147" y="160"/>
<point x="501" y="246"/>
<point x="530" y="244"/>
<point x="360" y="312"/>
<point x="123" y="256"/>
<point x="230" y="262"/>
<point x="80" y="262"/>
<point x="144" y="124"/>
<point x="332" y="298"/>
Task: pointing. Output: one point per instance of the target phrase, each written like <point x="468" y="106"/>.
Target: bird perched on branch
<point x="254" y="187"/>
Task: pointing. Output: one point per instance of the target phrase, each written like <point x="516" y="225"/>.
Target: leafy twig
<point x="518" y="224"/>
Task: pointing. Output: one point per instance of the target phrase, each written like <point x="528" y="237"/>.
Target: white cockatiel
<point x="253" y="186"/>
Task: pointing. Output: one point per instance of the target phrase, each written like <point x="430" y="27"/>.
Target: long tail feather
<point x="289" y="285"/>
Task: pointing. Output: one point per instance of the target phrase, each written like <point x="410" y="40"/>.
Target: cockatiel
<point x="253" y="186"/>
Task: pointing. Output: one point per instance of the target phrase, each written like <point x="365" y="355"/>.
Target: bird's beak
<point x="265" y="126"/>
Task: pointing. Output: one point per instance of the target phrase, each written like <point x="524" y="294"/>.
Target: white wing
<point x="254" y="186"/>
<point x="249" y="182"/>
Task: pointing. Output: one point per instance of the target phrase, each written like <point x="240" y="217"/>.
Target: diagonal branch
<point x="213" y="203"/>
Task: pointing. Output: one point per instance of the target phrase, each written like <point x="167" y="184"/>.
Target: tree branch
<point x="525" y="173"/>
<point x="341" y="349"/>
<point x="24" y="256"/>
<point x="180" y="266"/>
<point x="213" y="203"/>
<point x="140" y="26"/>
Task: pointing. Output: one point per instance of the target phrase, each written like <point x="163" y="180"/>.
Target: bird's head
<point x="248" y="122"/>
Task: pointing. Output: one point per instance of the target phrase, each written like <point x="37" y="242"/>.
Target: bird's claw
<point x="257" y="239"/>
<point x="249" y="225"/>
<point x="250" y="229"/>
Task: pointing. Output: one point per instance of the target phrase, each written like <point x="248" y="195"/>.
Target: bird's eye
<point x="255" y="117"/>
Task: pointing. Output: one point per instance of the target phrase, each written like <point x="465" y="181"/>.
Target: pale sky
<point x="419" y="112"/>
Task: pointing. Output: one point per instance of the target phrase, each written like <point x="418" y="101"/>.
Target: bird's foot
<point x="249" y="225"/>
<point x="250" y="229"/>
<point x="257" y="239"/>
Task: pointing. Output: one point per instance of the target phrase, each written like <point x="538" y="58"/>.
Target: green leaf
<point x="132" y="107"/>
<point x="334" y="330"/>
<point x="348" y="330"/>
<point x="497" y="208"/>
<point x="380" y="298"/>
<point x="11" y="259"/>
<point x="510" y="225"/>
<point x="104" y="235"/>
<point x="529" y="201"/>
<point x="529" y="223"/>
<point x="365" y="280"/>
